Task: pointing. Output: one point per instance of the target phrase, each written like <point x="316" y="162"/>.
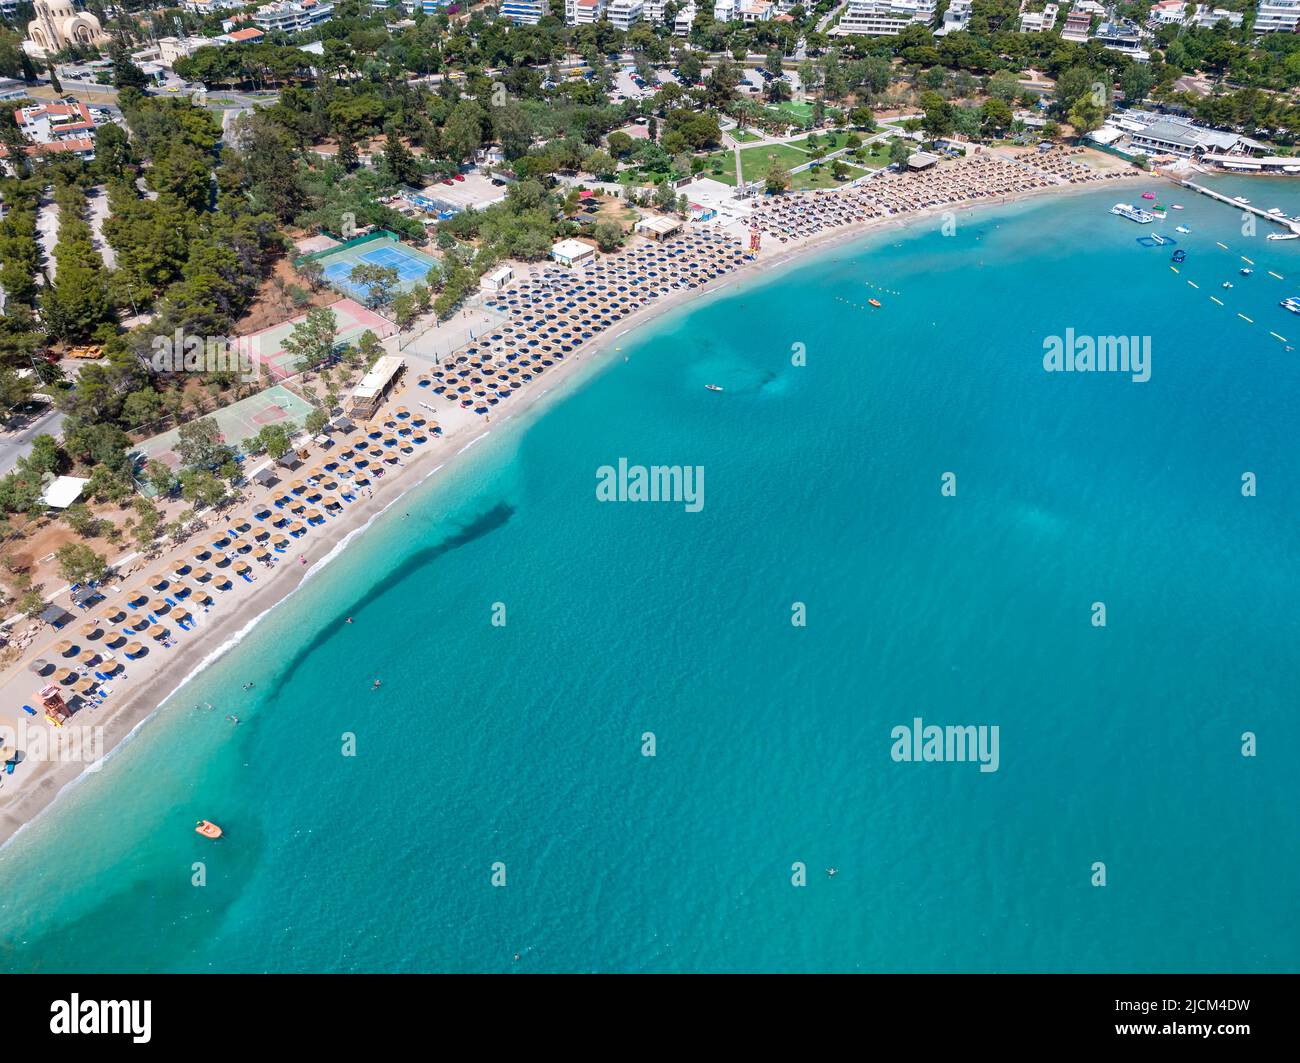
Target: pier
<point x="1278" y="219"/>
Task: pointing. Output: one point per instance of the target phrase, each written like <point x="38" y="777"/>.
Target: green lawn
<point x="745" y="137"/>
<point x="821" y="178"/>
<point x="725" y="163"/>
<point x="826" y="142"/>
<point x="755" y="162"/>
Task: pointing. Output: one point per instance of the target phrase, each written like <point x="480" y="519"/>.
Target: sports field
<point x="238" y="421"/>
<point x="352" y="320"/>
<point x="412" y="266"/>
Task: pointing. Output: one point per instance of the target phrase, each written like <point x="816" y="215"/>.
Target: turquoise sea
<point x="521" y="744"/>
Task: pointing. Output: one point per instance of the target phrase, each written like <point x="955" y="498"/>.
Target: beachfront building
<point x="624" y="14"/>
<point x="583" y="12"/>
<point x="1137" y="132"/>
<point x="497" y="279"/>
<point x="1039" y="21"/>
<point x="292" y="16"/>
<point x="523" y="12"/>
<point x="657" y="227"/>
<point x="922" y="160"/>
<point x="725" y="10"/>
<point x="59" y="25"/>
<point x="1277" y="16"/>
<point x="685" y="19"/>
<point x="956" y="18"/>
<point x="653" y="11"/>
<point x="883" y="18"/>
<point x="369" y="395"/>
<point x="756" y="11"/>
<point x="572" y="252"/>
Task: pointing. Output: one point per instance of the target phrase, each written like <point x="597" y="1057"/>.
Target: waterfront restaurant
<point x="657" y="227"/>
<point x="366" y="397"/>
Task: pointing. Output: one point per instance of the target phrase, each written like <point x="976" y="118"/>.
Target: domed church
<point x="58" y="24"/>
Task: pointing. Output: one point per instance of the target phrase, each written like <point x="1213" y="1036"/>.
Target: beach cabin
<point x="63" y="491"/>
<point x="572" y="252"/>
<point x="497" y="279"/>
<point x="657" y="227"/>
<point x="921" y="160"/>
<point x="368" y="396"/>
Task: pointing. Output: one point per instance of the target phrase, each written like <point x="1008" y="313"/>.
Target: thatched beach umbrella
<point x="157" y="581"/>
<point x="262" y="554"/>
<point x="242" y="567"/>
<point x="280" y="540"/>
<point x="158" y="606"/>
<point x="84" y="687"/>
<point x="157" y="632"/>
<point x="65" y="676"/>
<point x="200" y="553"/>
<point x="90" y="629"/>
<point x="180" y="568"/>
<point x="39" y="666"/>
<point x="203" y="598"/>
<point x="201" y="574"/>
<point x="88" y="657"/>
<point x="64" y="648"/>
<point x="116" y="614"/>
<point x="133" y="649"/>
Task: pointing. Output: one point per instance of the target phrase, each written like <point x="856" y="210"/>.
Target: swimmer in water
<point x="349" y="620"/>
<point x="377" y="685"/>
<point x="234" y="720"/>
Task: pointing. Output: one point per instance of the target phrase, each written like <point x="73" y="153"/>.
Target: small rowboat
<point x="208" y="829"/>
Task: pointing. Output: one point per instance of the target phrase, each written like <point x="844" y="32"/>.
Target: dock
<point x="1278" y="219"/>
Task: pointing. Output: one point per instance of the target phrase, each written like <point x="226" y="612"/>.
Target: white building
<point x="624" y="14"/>
<point x="1168" y="13"/>
<point x="725" y="10"/>
<point x="523" y="12"/>
<point x="572" y="252"/>
<point x="756" y="11"/>
<point x="654" y="10"/>
<point x="885" y="18"/>
<point x="1207" y="17"/>
<point x="1277" y="16"/>
<point x="292" y="16"/>
<point x="685" y="18"/>
<point x="956" y="18"/>
<point x="583" y="12"/>
<point x="1039" y="21"/>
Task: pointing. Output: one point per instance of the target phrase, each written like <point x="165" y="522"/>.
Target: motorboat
<point x="208" y="829"/>
<point x="1245" y="272"/>
<point x="713" y="387"/>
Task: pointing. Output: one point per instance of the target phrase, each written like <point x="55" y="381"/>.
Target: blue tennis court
<point x="408" y="266"/>
<point x="412" y="265"/>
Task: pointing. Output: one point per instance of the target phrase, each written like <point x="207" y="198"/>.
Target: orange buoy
<point x="208" y="829"/>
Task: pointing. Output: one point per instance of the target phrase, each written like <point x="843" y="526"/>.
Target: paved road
<point x="14" y="445"/>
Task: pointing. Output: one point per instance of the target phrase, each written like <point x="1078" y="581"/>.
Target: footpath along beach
<point x="712" y="259"/>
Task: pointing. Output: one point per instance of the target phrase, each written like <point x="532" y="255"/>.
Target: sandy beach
<point x="149" y="681"/>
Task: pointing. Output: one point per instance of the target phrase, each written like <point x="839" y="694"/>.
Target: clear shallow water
<point x="522" y="744"/>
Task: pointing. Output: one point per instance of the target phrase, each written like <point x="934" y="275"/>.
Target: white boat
<point x="1132" y="213"/>
<point x="1245" y="272"/>
<point x="1242" y="199"/>
<point x="1227" y="284"/>
<point x="1284" y="236"/>
<point x="1182" y="229"/>
<point x="713" y="387"/>
<point x="1291" y="303"/>
<point x="1178" y="206"/>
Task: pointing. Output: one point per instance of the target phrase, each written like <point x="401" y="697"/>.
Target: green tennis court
<point x="238" y="421"/>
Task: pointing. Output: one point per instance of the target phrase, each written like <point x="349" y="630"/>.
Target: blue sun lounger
<point x="29" y="710"/>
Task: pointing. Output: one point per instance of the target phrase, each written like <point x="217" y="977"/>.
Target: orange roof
<point x="246" y="35"/>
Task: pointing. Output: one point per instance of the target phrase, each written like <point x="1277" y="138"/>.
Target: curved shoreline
<point x="228" y="629"/>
